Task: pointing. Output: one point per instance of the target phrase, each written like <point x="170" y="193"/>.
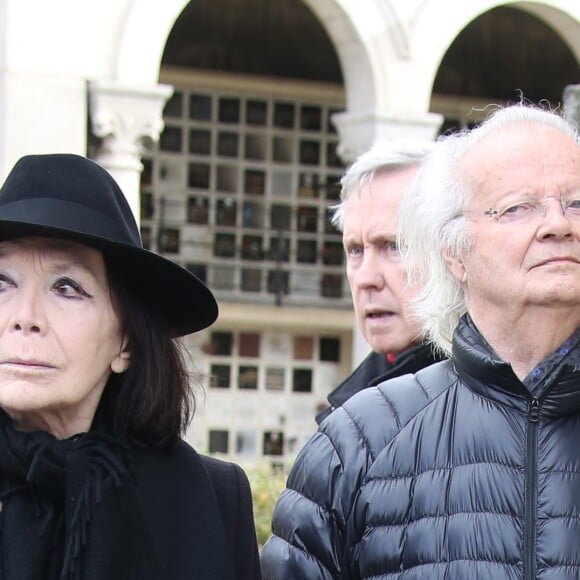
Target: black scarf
<point x="70" y="509"/>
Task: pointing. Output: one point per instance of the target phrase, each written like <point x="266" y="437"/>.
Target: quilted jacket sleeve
<point x="309" y="521"/>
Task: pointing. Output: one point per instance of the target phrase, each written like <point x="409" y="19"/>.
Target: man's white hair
<point x="383" y="157"/>
<point x="432" y="218"/>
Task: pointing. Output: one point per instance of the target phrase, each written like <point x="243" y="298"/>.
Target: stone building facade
<point x="228" y="124"/>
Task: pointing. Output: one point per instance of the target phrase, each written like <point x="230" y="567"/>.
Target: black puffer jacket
<point x="375" y="369"/>
<point x="459" y="472"/>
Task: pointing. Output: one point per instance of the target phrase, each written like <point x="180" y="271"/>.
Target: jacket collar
<point x="375" y="369"/>
<point x="481" y="369"/>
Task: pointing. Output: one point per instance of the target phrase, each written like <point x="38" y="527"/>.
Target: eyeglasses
<point x="529" y="210"/>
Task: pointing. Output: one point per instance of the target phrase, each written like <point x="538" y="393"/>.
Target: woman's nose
<point x="27" y="313"/>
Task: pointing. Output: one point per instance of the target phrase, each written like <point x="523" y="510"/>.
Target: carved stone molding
<point x="124" y="117"/>
<point x="359" y="131"/>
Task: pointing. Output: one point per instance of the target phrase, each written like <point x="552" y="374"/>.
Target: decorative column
<point x="124" y="117"/>
<point x="571" y="99"/>
<point x="359" y="131"/>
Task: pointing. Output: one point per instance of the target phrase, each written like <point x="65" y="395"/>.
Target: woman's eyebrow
<point x="65" y="267"/>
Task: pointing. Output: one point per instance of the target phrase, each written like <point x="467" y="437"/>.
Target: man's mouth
<point x="380" y="314"/>
<point x="558" y="260"/>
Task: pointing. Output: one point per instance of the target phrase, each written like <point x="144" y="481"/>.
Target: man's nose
<point x="369" y="273"/>
<point x="555" y="222"/>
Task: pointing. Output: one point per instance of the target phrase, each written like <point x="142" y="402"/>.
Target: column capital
<point x="125" y="117"/>
<point x="571" y="103"/>
<point x="358" y="131"/>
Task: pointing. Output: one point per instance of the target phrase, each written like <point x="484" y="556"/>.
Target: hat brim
<point x="183" y="301"/>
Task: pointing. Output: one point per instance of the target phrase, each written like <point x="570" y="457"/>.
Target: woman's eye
<point x="5" y="282"/>
<point x="69" y="288"/>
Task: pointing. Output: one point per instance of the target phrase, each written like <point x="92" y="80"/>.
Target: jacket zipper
<point x="531" y="483"/>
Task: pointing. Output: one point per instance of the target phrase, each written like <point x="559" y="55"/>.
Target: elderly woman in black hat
<point x="95" y="481"/>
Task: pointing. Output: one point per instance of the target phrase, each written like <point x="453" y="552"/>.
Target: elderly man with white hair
<point x="470" y="468"/>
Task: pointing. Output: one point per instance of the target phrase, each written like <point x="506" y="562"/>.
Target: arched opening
<point x="504" y="55"/>
<point x="248" y="154"/>
<point x="256" y="37"/>
<point x="238" y="191"/>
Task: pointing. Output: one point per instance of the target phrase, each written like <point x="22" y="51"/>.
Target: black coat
<point x="460" y="471"/>
<point x="93" y="507"/>
<point x="375" y="369"/>
<point x="180" y="492"/>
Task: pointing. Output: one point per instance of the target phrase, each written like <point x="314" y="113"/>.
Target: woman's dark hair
<point x="153" y="398"/>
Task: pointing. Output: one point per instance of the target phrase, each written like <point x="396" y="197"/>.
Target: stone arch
<point x="565" y="21"/>
<point x="148" y="25"/>
<point x="348" y="33"/>
<point x="430" y="44"/>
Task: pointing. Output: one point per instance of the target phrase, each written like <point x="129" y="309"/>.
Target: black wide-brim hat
<point x="70" y="197"/>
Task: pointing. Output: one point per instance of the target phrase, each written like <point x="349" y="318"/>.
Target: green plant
<point x="267" y="483"/>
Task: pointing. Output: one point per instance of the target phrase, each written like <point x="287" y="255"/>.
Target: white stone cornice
<point x="359" y="131"/>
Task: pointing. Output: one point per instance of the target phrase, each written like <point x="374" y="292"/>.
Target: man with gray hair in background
<point x="367" y="215"/>
<point x="470" y="468"/>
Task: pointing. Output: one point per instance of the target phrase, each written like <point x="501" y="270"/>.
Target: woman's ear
<point x="122" y="361"/>
<point x="455" y="266"/>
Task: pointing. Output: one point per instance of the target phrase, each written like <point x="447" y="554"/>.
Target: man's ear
<point x="456" y="267"/>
